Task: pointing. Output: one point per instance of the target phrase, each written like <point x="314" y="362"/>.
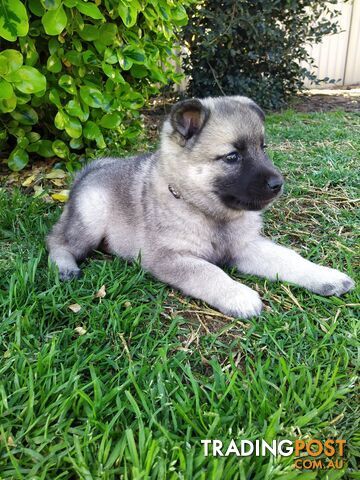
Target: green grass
<point x="155" y="372"/>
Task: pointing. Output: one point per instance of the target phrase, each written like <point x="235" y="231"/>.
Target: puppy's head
<point x="213" y="150"/>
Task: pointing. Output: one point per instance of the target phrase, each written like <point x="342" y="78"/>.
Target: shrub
<point x="253" y="48"/>
<point x="74" y="73"/>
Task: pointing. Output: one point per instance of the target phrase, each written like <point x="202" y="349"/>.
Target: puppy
<point x="189" y="208"/>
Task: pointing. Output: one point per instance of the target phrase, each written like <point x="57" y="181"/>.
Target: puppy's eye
<point x="233" y="157"/>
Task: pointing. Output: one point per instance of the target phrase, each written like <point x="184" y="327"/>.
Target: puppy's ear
<point x="188" y="117"/>
<point x="258" y="111"/>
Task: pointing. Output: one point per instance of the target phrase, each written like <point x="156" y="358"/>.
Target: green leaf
<point x="33" y="137"/>
<point x="36" y="8"/>
<point x="42" y="147"/>
<point x="134" y="53"/>
<point x="128" y="13"/>
<point x="68" y="84"/>
<point x="13" y="20"/>
<point x="133" y="100"/>
<point x="89" y="32"/>
<point x="54" y="97"/>
<point x="110" y="56"/>
<point x="8" y="104"/>
<point x="162" y="9"/>
<point x="37" y="100"/>
<point x="28" y="80"/>
<point x="54" y="45"/>
<point x="90" y="58"/>
<point x="54" y="64"/>
<point x="51" y="4"/>
<point x="91" y="96"/>
<point x="28" y="49"/>
<point x="3" y="66"/>
<point x="18" y="159"/>
<point x="76" y="143"/>
<point x="179" y="15"/>
<point x="54" y="21"/>
<point x="151" y="51"/>
<point x="139" y="71"/>
<point x="89" y="9"/>
<point x="107" y="33"/>
<point x="92" y="132"/>
<point x="82" y="71"/>
<point x="150" y="15"/>
<point x="22" y="142"/>
<point x="16" y="131"/>
<point x="70" y="3"/>
<point x="60" y="149"/>
<point x="75" y="109"/>
<point x="60" y="120"/>
<point x="74" y="58"/>
<point x="25" y="115"/>
<point x="12" y="59"/>
<point x="125" y="62"/>
<point x="6" y="90"/>
<point x="112" y="73"/>
<point x="109" y="102"/>
<point x="73" y="127"/>
<point x="158" y="75"/>
<point x="22" y="98"/>
<point x="77" y="44"/>
<point x="111" y="120"/>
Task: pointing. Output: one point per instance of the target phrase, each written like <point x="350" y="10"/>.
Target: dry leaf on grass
<point x="58" y="182"/>
<point x="75" y="307"/>
<point x="61" y="196"/>
<point x="46" y="198"/>
<point x="29" y="180"/>
<point x="56" y="173"/>
<point x="80" y="330"/>
<point x="38" y="189"/>
<point x="10" y="442"/>
<point x="101" y="293"/>
<point x="13" y="177"/>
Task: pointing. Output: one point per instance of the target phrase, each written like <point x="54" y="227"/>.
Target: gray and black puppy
<point x="189" y="207"/>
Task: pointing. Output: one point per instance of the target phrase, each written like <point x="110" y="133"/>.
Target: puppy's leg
<point x="68" y="243"/>
<point x="203" y="280"/>
<point x="267" y="259"/>
<point x="65" y="261"/>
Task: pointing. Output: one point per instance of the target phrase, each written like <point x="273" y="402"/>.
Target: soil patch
<point x="328" y="100"/>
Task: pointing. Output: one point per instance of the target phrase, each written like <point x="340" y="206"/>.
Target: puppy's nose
<point x="274" y="183"/>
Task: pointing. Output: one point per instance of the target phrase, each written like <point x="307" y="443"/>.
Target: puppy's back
<point x="102" y="195"/>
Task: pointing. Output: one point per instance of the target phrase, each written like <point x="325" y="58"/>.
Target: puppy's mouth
<point x="245" y="204"/>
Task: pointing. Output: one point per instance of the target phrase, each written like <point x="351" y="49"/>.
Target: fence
<point x="338" y="56"/>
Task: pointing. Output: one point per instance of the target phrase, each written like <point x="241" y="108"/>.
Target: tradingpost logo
<point x="309" y="454"/>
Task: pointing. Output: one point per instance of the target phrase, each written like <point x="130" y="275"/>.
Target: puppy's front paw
<point x="242" y="302"/>
<point x="332" y="282"/>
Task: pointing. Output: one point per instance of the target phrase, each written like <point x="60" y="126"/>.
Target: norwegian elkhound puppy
<point x="191" y="206"/>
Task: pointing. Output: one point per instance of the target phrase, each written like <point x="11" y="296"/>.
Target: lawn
<point x="128" y="386"/>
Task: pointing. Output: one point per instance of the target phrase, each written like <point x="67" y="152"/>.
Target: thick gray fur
<point x="127" y="206"/>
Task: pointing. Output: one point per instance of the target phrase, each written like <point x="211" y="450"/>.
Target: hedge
<point x="74" y="73"/>
<point x="254" y="48"/>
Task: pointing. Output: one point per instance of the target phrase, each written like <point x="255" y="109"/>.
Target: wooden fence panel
<point x="338" y="56"/>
